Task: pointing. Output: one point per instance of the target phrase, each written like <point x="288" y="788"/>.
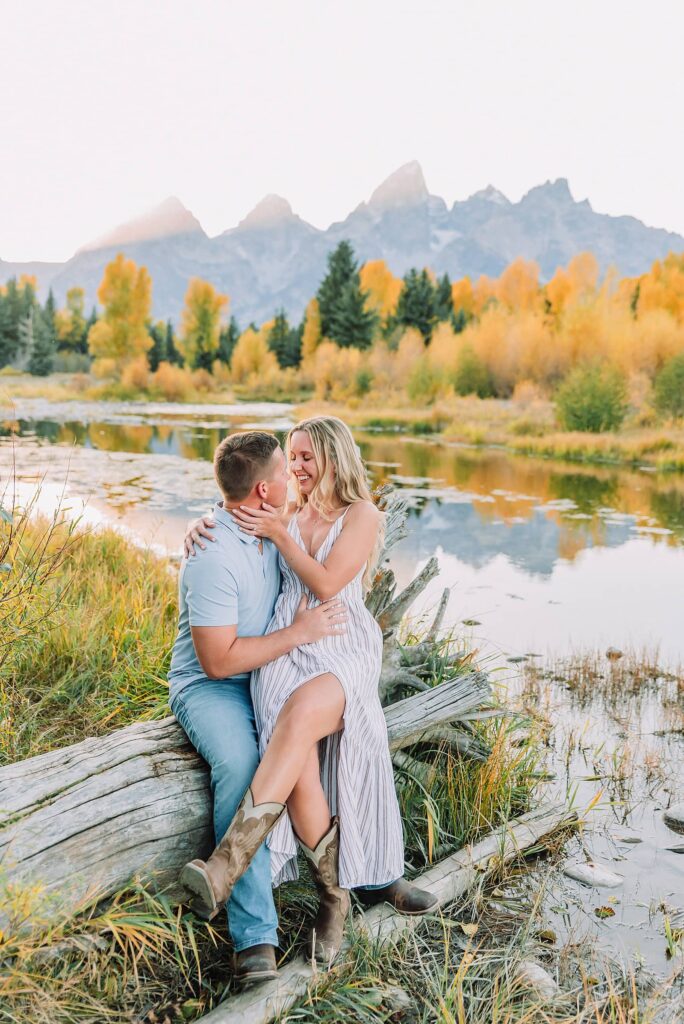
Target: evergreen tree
<point x="444" y="303"/>
<point x="353" y="323"/>
<point x="416" y="306"/>
<point x="173" y="353"/>
<point x="460" y="318"/>
<point x="285" y="341"/>
<point x="9" y="340"/>
<point x="44" y="340"/>
<point x="157" y="354"/>
<point x="228" y="339"/>
<point x="342" y="270"/>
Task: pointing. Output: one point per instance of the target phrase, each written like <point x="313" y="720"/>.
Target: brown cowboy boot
<point x="404" y="897"/>
<point x="334" y="903"/>
<point x="255" y="964"/>
<point x="212" y="882"/>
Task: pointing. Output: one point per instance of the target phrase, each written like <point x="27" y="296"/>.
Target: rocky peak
<point x="269" y="212"/>
<point x="491" y="195"/>
<point x="557" y="192"/>
<point x="405" y="187"/>
<point x="170" y="217"/>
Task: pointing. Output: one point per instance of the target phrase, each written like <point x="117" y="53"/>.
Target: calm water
<point x="541" y="558"/>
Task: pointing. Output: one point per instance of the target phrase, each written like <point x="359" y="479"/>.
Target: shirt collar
<point x="222" y="515"/>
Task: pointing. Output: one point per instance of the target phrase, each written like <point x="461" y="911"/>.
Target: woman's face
<point x="303" y="462"/>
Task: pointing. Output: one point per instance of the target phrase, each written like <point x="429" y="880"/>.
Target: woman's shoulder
<point x="363" y="512"/>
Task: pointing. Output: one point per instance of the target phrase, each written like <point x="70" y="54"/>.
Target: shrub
<point x="172" y="383"/>
<point x="136" y="374"/>
<point x="424" y="383"/>
<point x="668" y="389"/>
<point x="472" y="376"/>
<point x="592" y="398"/>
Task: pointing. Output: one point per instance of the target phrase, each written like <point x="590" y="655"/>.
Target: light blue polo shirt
<point x="230" y="582"/>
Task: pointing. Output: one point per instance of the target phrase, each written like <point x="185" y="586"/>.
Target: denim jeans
<point x="218" y="719"/>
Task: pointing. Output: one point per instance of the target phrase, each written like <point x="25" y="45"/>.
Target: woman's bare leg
<point x="313" y="711"/>
<point x="307" y="806"/>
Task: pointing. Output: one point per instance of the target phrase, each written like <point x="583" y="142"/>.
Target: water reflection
<point x="506" y="524"/>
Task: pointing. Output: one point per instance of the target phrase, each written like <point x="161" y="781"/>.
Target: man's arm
<point x="222" y="653"/>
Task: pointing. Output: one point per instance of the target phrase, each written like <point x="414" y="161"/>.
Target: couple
<point x="298" y="753"/>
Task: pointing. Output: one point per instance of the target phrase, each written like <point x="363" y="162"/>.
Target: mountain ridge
<point x="273" y="258"/>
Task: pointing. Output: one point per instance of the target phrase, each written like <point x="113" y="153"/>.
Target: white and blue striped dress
<point x="356" y="768"/>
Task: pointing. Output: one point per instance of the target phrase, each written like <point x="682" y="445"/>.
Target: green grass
<point x="96" y="655"/>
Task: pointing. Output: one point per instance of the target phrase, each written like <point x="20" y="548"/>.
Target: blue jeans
<point x="218" y="719"/>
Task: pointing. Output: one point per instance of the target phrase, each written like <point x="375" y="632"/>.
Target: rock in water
<point x="596" y="875"/>
<point x="534" y="976"/>
<point x="674" y="817"/>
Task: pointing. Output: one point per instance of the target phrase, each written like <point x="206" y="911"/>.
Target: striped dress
<point x="356" y="768"/>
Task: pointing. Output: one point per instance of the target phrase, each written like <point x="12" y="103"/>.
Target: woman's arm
<point x="348" y="555"/>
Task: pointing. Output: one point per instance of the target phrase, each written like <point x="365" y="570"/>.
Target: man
<point x="227" y="593"/>
<point x="226" y="598"/>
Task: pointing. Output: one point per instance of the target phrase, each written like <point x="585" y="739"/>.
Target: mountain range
<point x="274" y="259"/>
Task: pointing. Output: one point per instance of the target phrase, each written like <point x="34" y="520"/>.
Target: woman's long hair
<point x="342" y="478"/>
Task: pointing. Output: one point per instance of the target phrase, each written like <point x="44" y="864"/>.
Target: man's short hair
<point x="240" y="461"/>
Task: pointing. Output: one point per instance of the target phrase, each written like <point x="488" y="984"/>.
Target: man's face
<point x="276" y="482"/>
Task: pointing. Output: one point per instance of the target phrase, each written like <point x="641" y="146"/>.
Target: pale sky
<point x="108" y="107"/>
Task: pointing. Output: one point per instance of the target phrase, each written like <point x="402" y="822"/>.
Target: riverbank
<point x="523" y="426"/>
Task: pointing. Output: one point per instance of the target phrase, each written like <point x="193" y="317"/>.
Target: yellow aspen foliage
<point x="125" y="293"/>
<point x="201" y="323"/>
<point x="518" y="286"/>
<point x="336" y="371"/>
<point x="484" y="292"/>
<point x="382" y="286"/>
<point x="663" y="287"/>
<point x="252" y="358"/>
<point x="70" y="322"/>
<point x="462" y="295"/>
<point x="444" y="347"/>
<point x="311" y="335"/>
<point x="27" y="281"/>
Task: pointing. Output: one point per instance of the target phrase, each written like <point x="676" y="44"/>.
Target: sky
<point x="107" y="108"/>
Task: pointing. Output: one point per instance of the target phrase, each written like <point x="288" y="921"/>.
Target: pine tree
<point x="158" y="353"/>
<point x="44" y="340"/>
<point x="173" y="353"/>
<point x="353" y="323"/>
<point x="285" y="342"/>
<point x="342" y="269"/>
<point x="228" y="339"/>
<point x="416" y="306"/>
<point x="444" y="303"/>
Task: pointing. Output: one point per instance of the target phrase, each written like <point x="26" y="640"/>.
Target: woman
<point x="326" y="775"/>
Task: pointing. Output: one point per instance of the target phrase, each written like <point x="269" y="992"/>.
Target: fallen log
<point x="83" y="820"/>
<point x="448" y="880"/>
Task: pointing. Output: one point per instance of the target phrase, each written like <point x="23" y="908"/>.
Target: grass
<point x="96" y="655"/>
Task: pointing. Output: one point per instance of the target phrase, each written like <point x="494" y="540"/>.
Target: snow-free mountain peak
<point x="170" y="217"/>
<point x="405" y="187"/>
<point x="268" y="212"/>
<point x="491" y="195"/>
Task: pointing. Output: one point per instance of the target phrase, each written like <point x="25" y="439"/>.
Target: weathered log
<point x="448" y="880"/>
<point x="83" y="820"/>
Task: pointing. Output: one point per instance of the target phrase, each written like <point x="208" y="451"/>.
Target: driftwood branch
<point x="448" y="880"/>
<point x="84" y="820"/>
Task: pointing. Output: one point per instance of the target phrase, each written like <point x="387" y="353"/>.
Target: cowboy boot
<point x="334" y="902"/>
<point x="400" y="894"/>
<point x="254" y="965"/>
<point x="212" y="881"/>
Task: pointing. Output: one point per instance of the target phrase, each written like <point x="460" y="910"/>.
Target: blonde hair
<point x="342" y="478"/>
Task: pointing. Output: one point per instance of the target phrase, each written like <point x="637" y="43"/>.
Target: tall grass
<point x="94" y="651"/>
